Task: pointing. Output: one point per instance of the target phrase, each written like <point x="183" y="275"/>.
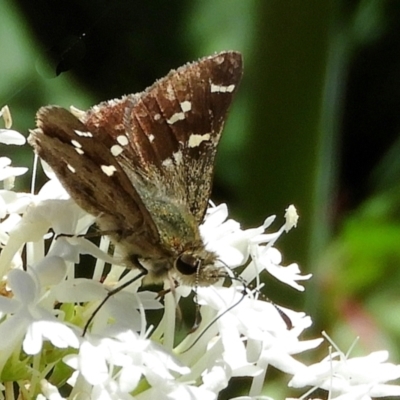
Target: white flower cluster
<point x="44" y="307"/>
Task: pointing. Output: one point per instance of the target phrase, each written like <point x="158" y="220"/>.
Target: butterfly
<point x="143" y="165"/>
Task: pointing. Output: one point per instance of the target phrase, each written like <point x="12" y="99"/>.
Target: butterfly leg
<point x="143" y="272"/>
<point x="90" y="234"/>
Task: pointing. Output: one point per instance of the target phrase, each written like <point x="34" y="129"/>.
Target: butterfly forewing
<point x="193" y="115"/>
<point x="173" y="128"/>
<point x="198" y="134"/>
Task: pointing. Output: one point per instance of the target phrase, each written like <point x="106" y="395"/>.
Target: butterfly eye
<point x="187" y="264"/>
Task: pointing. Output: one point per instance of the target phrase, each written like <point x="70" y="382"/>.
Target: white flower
<point x="242" y="334"/>
<point x="225" y="236"/>
<point x="122" y="307"/>
<point x="351" y="378"/>
<point x="27" y="319"/>
<point x="7" y="136"/>
<point x="260" y="322"/>
<point x="234" y="245"/>
<point x="123" y="356"/>
<point x="115" y="364"/>
<point x="269" y="259"/>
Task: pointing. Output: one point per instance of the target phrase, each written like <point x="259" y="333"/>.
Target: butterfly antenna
<point x="198" y="315"/>
<point x="214" y="320"/>
<point x="233" y="276"/>
<point x="282" y="314"/>
<point x="197" y="318"/>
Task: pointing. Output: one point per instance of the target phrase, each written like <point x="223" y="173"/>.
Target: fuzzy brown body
<point x="143" y="165"/>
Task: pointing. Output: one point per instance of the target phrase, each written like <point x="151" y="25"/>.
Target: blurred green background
<point x="315" y="123"/>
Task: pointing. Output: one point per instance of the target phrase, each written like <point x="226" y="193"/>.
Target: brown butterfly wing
<point x="87" y="169"/>
<point x="169" y="133"/>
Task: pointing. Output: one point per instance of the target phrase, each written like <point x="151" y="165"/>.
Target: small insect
<point x="143" y="165"/>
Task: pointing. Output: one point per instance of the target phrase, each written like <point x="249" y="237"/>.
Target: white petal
<point x="12" y="330"/>
<point x="129" y="378"/>
<point x="57" y="333"/>
<point x="50" y="391"/>
<point x="23" y="286"/>
<point x="9" y="172"/>
<point x="92" y="364"/>
<point x="215" y="216"/>
<point x="385" y="390"/>
<point x="5" y="162"/>
<point x="33" y="340"/>
<point x="216" y="378"/>
<point x="51" y="270"/>
<point x="8" y="136"/>
<point x="80" y="290"/>
<point x="53" y="190"/>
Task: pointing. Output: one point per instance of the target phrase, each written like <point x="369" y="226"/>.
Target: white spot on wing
<point x="79" y="151"/>
<point x="83" y="134"/>
<point x="157" y="117"/>
<point x="151" y="138"/>
<point x="176" y="117"/>
<point x="108" y="169"/>
<point x="186" y="106"/>
<point x="71" y="168"/>
<point x="76" y="144"/>
<point x="116" y="150"/>
<point x="195" y="140"/>
<point x="221" y="88"/>
<point x="122" y="140"/>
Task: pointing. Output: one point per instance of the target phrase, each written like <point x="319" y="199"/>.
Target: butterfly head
<point x="197" y="267"/>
